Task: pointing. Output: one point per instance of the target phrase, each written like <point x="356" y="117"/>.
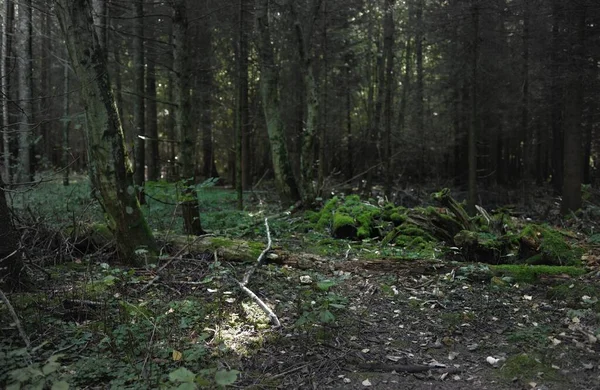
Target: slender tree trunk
<point x="419" y="91"/>
<point x="309" y="131"/>
<point x="349" y="136"/>
<point x="172" y="169"/>
<point x="574" y="101"/>
<point x="474" y="128"/>
<point x="25" y="60"/>
<point x="525" y="136"/>
<point x="269" y="90"/>
<point x="7" y="32"/>
<point x="66" y="123"/>
<point x="186" y="136"/>
<point x="45" y="71"/>
<point x="152" y="151"/>
<point x="242" y="107"/>
<point x="388" y="54"/>
<point x="206" y="86"/>
<point x="556" y="106"/>
<point x="110" y="171"/>
<point x="138" y="102"/>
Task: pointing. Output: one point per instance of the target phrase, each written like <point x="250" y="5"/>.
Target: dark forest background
<point x="479" y="94"/>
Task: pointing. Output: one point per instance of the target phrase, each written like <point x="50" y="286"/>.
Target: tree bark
<point x="311" y="92"/>
<point x="152" y="151"/>
<point x="138" y="103"/>
<point x="474" y="127"/>
<point x="388" y="55"/>
<point x="66" y="124"/>
<point x="184" y="130"/>
<point x="269" y="90"/>
<point x="574" y="101"/>
<point x="25" y="61"/>
<point x="7" y="33"/>
<point x="110" y="170"/>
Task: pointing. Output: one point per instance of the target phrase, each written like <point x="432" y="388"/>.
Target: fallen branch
<point x="250" y="271"/>
<point x="15" y="317"/>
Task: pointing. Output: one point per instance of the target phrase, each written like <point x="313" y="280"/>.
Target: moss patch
<point x="544" y="245"/>
<point x="527" y="368"/>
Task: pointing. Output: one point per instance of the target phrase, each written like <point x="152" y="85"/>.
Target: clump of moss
<point x="347" y="217"/>
<point x="527" y="367"/>
<point x="543" y="245"/>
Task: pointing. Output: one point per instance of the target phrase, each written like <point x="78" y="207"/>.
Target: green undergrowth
<point x="112" y="333"/>
<point x="524" y="368"/>
<point x="433" y="232"/>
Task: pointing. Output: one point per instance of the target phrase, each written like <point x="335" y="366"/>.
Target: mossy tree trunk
<point x="269" y="91"/>
<point x="139" y="118"/>
<point x="11" y="264"/>
<point x="25" y="60"/>
<point x="186" y="137"/>
<point x="7" y="33"/>
<point x="110" y="170"/>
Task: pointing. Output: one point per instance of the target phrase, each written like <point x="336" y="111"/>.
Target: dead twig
<point x="15" y="317"/>
<point x="250" y="271"/>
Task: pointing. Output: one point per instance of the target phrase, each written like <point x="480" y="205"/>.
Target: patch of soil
<point x="409" y="331"/>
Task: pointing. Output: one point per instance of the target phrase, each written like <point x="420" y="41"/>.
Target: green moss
<point x="527" y="367"/>
<point x="552" y="248"/>
<point x="529" y="273"/>
<point x="397" y="218"/>
<point x="340" y="220"/>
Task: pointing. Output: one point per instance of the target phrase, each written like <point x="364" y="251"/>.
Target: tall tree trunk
<point x="388" y="55"/>
<point x="419" y="91"/>
<point x="7" y="33"/>
<point x="525" y="139"/>
<point x="574" y="101"/>
<point x="45" y="91"/>
<point x="556" y="92"/>
<point x="309" y="131"/>
<point x="138" y="102"/>
<point x="172" y="168"/>
<point x="242" y="163"/>
<point x="152" y="151"/>
<point x="349" y="136"/>
<point x="269" y="90"/>
<point x="110" y="171"/>
<point x="184" y="129"/>
<point x="474" y="127"/>
<point x="66" y="123"/>
<point x="244" y="85"/>
<point x="25" y="60"/>
<point x="206" y="87"/>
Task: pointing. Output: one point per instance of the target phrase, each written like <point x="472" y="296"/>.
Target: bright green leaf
<point x="60" y="385"/>
<point x="182" y="374"/>
<point x="325" y="285"/>
<point x="326" y="316"/>
<point x="224" y="377"/>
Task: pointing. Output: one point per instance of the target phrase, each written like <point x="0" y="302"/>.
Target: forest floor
<point x="352" y="318"/>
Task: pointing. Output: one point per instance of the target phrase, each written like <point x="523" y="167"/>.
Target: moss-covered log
<point x="110" y="169"/>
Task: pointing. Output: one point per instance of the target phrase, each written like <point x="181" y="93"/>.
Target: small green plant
<point x="320" y="304"/>
<point x="184" y="379"/>
<point x="37" y="376"/>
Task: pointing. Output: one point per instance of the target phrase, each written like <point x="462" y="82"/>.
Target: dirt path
<point x="396" y="326"/>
